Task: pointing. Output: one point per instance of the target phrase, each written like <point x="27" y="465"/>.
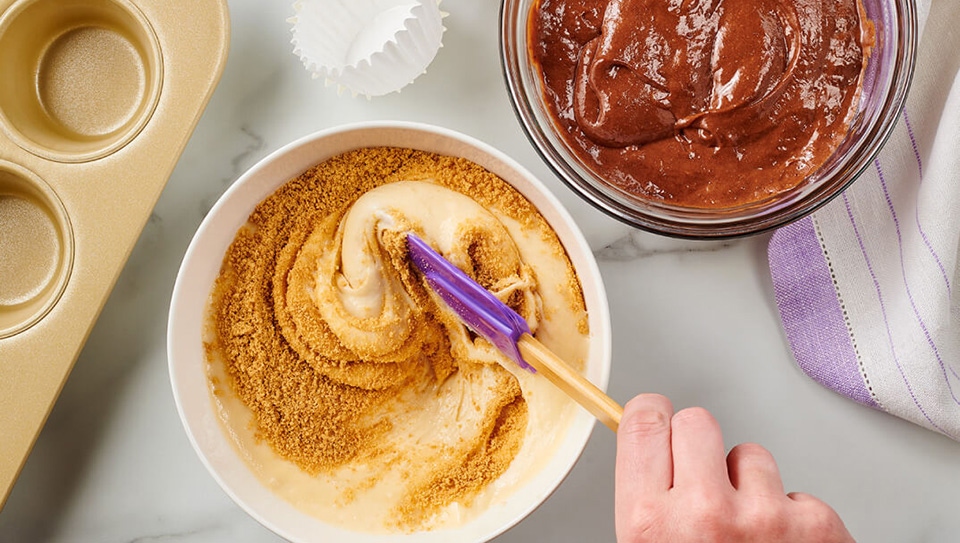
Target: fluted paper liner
<point x="369" y="47"/>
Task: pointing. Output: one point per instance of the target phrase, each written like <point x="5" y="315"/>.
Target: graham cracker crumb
<point x="320" y="401"/>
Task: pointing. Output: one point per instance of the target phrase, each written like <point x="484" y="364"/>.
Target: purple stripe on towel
<point x="906" y="284"/>
<point x="811" y="313"/>
<point x="923" y="234"/>
<point x="913" y="141"/>
<point x="886" y="321"/>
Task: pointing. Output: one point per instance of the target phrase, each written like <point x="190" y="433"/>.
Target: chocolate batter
<point x="702" y="103"/>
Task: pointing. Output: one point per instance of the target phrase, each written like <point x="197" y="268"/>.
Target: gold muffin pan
<point x="97" y="101"/>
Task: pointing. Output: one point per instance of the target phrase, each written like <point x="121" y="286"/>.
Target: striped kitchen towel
<point x="865" y="285"/>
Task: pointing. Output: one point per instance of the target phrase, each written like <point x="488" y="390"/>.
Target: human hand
<point x="674" y="485"/>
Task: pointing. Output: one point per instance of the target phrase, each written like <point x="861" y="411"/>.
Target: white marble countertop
<point x="695" y="321"/>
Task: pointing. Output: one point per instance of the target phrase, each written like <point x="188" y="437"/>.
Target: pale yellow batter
<point x="347" y="385"/>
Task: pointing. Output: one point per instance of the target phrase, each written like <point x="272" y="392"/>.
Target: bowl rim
<point x="185" y="325"/>
<point x="566" y="167"/>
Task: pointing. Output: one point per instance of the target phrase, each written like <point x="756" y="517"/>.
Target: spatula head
<point x="479" y="309"/>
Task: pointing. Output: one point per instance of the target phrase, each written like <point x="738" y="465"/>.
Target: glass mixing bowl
<point x="885" y="84"/>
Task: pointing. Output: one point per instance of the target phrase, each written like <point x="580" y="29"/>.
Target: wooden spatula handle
<point x="575" y="385"/>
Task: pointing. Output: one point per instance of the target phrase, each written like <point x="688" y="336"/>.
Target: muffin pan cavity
<point x="82" y="77"/>
<point x="97" y="101"/>
<point x="36" y="249"/>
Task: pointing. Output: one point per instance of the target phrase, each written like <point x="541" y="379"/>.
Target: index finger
<point x="644" y="460"/>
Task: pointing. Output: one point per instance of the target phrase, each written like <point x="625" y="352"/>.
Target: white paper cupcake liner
<point x="370" y="47"/>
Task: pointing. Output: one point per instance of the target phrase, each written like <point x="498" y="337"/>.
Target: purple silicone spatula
<point x="504" y="328"/>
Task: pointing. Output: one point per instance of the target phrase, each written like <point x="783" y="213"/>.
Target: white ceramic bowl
<point x="201" y="266"/>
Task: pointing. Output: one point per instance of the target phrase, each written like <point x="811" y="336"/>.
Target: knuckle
<point x="821" y="519"/>
<point x="642" y="523"/>
<point x="647" y="402"/>
<point x="651" y="399"/>
<point x="752" y="449"/>
<point x="751" y="453"/>
<point x="647" y="422"/>
<point x="710" y="511"/>
<point x="648" y="414"/>
<point x="762" y="515"/>
<point x="692" y="416"/>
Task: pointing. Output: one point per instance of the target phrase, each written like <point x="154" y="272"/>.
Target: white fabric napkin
<point x="866" y="285"/>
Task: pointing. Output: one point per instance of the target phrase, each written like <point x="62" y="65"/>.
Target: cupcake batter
<point x="347" y="385"/>
<point x="701" y="103"/>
